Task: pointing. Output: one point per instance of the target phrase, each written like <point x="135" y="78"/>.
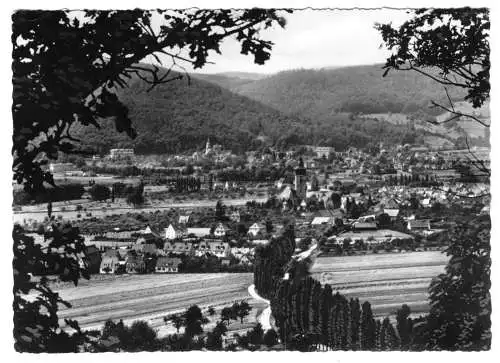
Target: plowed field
<point x="385" y="280"/>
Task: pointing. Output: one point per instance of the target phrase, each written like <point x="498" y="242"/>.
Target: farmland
<point x="386" y="280"/>
<point x="151" y="297"/>
<point x="39" y="212"/>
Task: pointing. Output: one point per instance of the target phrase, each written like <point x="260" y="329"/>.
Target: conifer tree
<point x="367" y="328"/>
<point x="404" y="326"/>
<point x="355" y="316"/>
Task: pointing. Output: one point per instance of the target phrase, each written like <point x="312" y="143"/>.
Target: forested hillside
<point x="230" y="80"/>
<point x="180" y="116"/>
<point x="320" y="94"/>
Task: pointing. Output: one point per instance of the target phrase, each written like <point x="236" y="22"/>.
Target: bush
<point x="99" y="192"/>
<point x="270" y="338"/>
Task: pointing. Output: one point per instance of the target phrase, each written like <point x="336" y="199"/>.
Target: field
<point x="385" y="280"/>
<point x="151" y="297"/>
<point x="38" y="212"/>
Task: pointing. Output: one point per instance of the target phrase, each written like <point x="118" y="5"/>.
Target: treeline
<point x="140" y="336"/>
<point x="254" y="174"/>
<point x="414" y="180"/>
<point x="310" y="317"/>
<point x="53" y="194"/>
<point x="270" y="262"/>
<point x="132" y="170"/>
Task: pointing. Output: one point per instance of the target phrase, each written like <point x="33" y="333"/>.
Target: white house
<point x="172" y="233"/>
<point x="393" y="213"/>
<point x="183" y="219"/>
<point x="109" y="265"/>
<point x="256" y="228"/>
<point x="220" y="230"/>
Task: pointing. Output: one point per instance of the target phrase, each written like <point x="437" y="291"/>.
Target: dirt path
<point x="265" y="317"/>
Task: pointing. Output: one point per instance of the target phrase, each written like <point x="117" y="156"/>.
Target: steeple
<point x="208" y="148"/>
<point x="300" y="170"/>
<point x="300" y="180"/>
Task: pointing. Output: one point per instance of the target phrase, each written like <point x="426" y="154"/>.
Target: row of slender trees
<point x="309" y="316"/>
<point x="305" y="311"/>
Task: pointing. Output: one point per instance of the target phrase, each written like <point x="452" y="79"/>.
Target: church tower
<point x="300" y="180"/>
<point x="208" y="147"/>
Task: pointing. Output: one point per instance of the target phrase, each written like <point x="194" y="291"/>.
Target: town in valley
<point x="170" y="196"/>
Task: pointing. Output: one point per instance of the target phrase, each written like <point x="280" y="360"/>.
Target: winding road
<point x="265" y="317"/>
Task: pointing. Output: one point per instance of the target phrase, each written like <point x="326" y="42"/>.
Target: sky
<point x="314" y="39"/>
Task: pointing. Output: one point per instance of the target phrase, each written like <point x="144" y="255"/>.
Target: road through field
<point x="150" y="297"/>
<point x="387" y="281"/>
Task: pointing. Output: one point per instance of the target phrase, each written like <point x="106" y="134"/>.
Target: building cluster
<point x="135" y="251"/>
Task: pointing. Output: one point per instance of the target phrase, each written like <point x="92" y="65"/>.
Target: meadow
<point x="385" y="280"/>
<point x="152" y="297"/>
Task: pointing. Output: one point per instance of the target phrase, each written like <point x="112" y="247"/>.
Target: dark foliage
<point x="459" y="318"/>
<point x="67" y="72"/>
<point x="99" y="192"/>
<point x="36" y="324"/>
<point x="450" y="46"/>
<point x="53" y="194"/>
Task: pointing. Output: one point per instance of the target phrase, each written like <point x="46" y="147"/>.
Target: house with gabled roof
<point x="418" y="225"/>
<point x="178" y="248"/>
<point x="256" y="229"/>
<point x="92" y="259"/>
<point x="109" y="265"/>
<point x="167" y="265"/>
<point x="218" y="249"/>
<point x="172" y="233"/>
<point x="220" y="230"/>
<point x="146" y="248"/>
<point x="184" y="219"/>
<point x="135" y="264"/>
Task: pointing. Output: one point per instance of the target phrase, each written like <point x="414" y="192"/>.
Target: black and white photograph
<point x="254" y="179"/>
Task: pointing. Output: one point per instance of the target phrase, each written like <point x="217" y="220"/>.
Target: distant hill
<point x="322" y="93"/>
<point x="230" y="80"/>
<point x="178" y="116"/>
<point x="337" y="107"/>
